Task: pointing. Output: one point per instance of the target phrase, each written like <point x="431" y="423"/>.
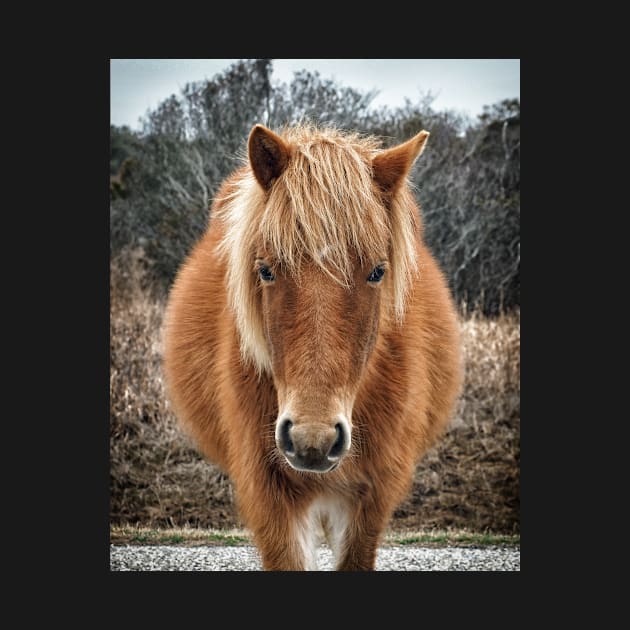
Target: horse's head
<point x="320" y="335"/>
<point x="325" y="250"/>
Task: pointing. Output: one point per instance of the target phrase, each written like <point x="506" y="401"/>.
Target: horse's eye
<point x="376" y="275"/>
<point x="265" y="274"/>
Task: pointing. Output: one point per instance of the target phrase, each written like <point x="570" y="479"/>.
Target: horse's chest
<point x="326" y="520"/>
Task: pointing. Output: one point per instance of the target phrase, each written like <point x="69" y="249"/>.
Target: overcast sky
<point x="465" y="85"/>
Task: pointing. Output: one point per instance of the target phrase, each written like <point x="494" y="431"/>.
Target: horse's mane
<point x="324" y="207"/>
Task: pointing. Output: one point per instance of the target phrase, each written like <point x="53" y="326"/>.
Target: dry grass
<point x="469" y="481"/>
<point x="471" y="478"/>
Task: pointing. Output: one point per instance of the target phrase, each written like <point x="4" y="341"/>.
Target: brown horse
<point x="311" y="344"/>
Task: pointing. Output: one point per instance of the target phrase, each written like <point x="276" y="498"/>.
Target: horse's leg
<point x="279" y="555"/>
<point x="285" y="546"/>
<point x="281" y="530"/>
<point x="368" y="520"/>
<point x="362" y="538"/>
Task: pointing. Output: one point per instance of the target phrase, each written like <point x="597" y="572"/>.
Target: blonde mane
<point x="325" y="207"/>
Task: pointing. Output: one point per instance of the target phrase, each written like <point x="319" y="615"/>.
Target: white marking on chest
<point x="326" y="520"/>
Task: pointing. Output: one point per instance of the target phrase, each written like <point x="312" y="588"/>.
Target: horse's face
<point x="320" y="336"/>
<point x="320" y="332"/>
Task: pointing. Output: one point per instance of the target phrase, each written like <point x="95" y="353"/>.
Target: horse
<point x="311" y="343"/>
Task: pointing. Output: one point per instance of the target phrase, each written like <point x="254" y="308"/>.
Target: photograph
<point x="314" y="315"/>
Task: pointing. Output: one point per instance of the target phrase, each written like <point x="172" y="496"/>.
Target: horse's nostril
<point x="340" y="442"/>
<point x="285" y="441"/>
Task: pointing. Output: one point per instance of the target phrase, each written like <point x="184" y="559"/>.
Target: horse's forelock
<point x="325" y="201"/>
<point x="324" y="207"/>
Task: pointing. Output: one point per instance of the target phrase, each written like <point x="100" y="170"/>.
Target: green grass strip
<point x="461" y="538"/>
<point x="188" y="536"/>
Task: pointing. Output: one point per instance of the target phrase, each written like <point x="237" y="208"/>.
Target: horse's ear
<point x="268" y="155"/>
<point x="392" y="165"/>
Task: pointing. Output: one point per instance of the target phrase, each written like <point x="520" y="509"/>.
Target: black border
<point x="80" y="268"/>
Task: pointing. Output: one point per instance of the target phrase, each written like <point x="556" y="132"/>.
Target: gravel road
<point x="245" y="558"/>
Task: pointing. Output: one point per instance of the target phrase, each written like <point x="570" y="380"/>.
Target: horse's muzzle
<point x="313" y="446"/>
